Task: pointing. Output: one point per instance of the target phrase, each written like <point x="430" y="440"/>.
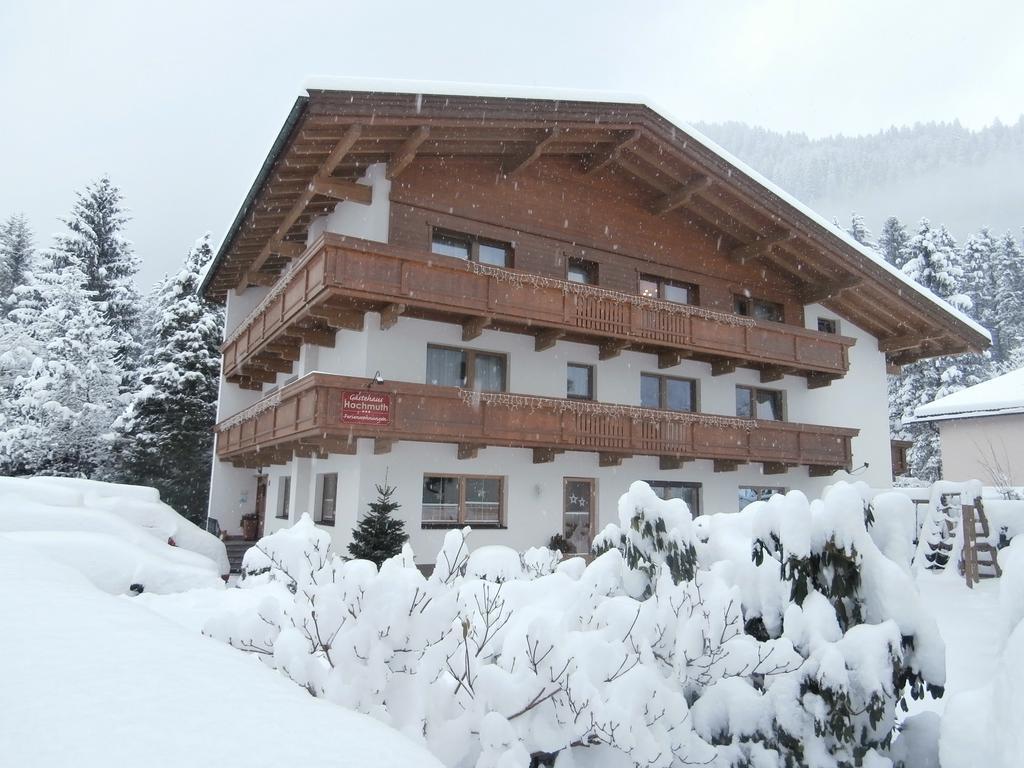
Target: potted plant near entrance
<point x="250" y="526"/>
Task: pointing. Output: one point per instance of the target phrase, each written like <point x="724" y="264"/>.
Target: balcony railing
<point x="321" y="414"/>
<point x="339" y="279"/>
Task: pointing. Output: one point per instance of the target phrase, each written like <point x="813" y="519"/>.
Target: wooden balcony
<point x="322" y="414"/>
<point x="336" y="281"/>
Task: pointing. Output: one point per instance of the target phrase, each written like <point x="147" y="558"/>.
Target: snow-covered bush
<point x="777" y="636"/>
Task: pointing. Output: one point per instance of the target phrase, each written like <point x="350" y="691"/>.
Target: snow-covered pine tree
<point x="859" y="230"/>
<point x="893" y="241"/>
<point x="1008" y="304"/>
<point x="96" y="242"/>
<point x="61" y="407"/>
<point x="379" y="535"/>
<point x="16" y="252"/>
<point x="981" y="280"/>
<point x="165" y="434"/>
<point x="930" y="258"/>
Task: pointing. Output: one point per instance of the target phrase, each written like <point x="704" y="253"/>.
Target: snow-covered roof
<point x="996" y="397"/>
<point x="441" y="88"/>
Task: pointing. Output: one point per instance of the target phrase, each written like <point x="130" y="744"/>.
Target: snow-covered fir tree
<point x="95" y="241"/>
<point x="981" y="280"/>
<point x="59" y="409"/>
<point x="16" y="253"/>
<point x="165" y="435"/>
<point x="859" y="231"/>
<point x="379" y="535"/>
<point x="1008" y="306"/>
<point x="892" y="242"/>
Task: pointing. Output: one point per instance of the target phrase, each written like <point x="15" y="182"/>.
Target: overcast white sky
<point x="180" y="102"/>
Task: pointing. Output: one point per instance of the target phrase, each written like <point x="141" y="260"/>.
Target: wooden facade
<point x="339" y="279"/>
<point x="305" y="419"/>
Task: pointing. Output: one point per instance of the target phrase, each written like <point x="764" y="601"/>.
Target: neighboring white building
<point x="981" y="430"/>
<point x="512" y="305"/>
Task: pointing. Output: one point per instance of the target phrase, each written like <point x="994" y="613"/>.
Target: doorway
<point x="578" y="502"/>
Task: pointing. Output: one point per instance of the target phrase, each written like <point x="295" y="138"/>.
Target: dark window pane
<point x="580" y="381"/>
<point x="741" y="305"/>
<point x="495" y="255"/>
<point x="483" y="501"/>
<point x="582" y="271"/>
<point x="679" y="395"/>
<point x="446" y="367"/>
<point x="649" y="286"/>
<point x="688" y="492"/>
<point x="827" y="325"/>
<point x="450" y="245"/>
<point x="328" y="497"/>
<point x="650" y="391"/>
<point x="744" y="403"/>
<point x="489" y="373"/>
<point x="748" y="495"/>
<point x="441" y="500"/>
<point x="768" y="310"/>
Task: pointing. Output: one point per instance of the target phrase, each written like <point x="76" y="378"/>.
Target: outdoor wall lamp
<point x="377" y="379"/>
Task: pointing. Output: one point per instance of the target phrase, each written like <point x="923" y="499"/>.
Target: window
<point x="655" y="287"/>
<point x="452" y="367"/>
<point x="581" y="271"/>
<point x="579" y="381"/>
<point x="327" y="498"/>
<point x="455" y="500"/>
<point x="759" y="309"/>
<point x="755" y="403"/>
<point x="667" y="393"/>
<point x="828" y="325"/>
<point x="578" y="497"/>
<point x="284" y="500"/>
<point x="688" y="492"/>
<point x="471" y="248"/>
<point x="751" y="493"/>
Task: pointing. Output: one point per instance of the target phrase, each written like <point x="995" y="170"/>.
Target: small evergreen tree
<point x="859" y="230"/>
<point x="16" y="253"/>
<point x="893" y="241"/>
<point x="1008" y="304"/>
<point x="379" y="536"/>
<point x="165" y="434"/>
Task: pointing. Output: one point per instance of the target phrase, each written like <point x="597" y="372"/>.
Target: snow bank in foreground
<point x="71" y="504"/>
<point x="91" y="680"/>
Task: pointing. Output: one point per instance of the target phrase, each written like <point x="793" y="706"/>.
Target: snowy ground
<point x="971" y="625"/>
<point x="90" y="679"/>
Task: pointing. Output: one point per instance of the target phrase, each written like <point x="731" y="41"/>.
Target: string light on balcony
<point x="251" y="412"/>
<point x="521" y="279"/>
<point x="585" y="408"/>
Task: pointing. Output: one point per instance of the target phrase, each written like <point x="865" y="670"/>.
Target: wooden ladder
<point x="979" y="560"/>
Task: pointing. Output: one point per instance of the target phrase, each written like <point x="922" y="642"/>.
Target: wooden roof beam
<point x="830" y="290"/>
<point x="520" y="165"/>
<point x="759" y="248"/>
<point x="337" y="189"/>
<point x="599" y="160"/>
<point x="326" y="169"/>
<point x="682" y="194"/>
<point x="407" y="153"/>
<point x="906" y="341"/>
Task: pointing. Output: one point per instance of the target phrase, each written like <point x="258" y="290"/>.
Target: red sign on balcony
<point x="361" y="406"/>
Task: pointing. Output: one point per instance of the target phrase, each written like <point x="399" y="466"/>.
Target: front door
<point x="261" y="503"/>
<point x="579" y="499"/>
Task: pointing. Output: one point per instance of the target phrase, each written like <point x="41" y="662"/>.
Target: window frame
<point x="284" y="500"/>
<point x="321" y="497"/>
<point x="592" y="370"/>
<point x="698" y="489"/>
<point x="743" y="305"/>
<point x="474" y="242"/>
<point x="753" y="389"/>
<point x="759" y="489"/>
<point x="828" y="321"/>
<point x="469" y="364"/>
<point x="590" y="267"/>
<point x="592" y="517"/>
<point x="661" y="281"/>
<point x="461" y="521"/>
<point x="663" y="392"/>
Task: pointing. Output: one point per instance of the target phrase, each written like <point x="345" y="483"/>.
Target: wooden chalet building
<point x="513" y="305"/>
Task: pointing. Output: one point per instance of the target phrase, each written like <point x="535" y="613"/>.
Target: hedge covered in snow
<point x="781" y="635"/>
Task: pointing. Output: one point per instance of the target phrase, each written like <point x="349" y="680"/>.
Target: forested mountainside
<point x="963" y="178"/>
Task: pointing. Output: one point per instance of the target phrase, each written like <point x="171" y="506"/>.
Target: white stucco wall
<point x="973" y="448"/>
